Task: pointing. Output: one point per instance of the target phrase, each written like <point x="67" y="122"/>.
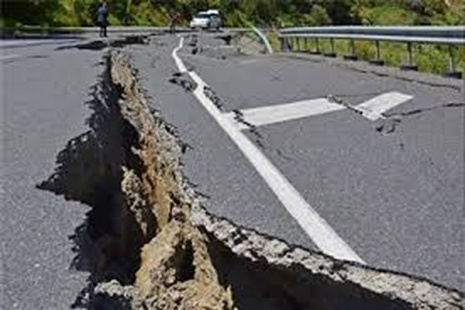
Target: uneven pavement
<point x="211" y="163"/>
<point x="43" y="106"/>
<point x="103" y="155"/>
<point x="392" y="189"/>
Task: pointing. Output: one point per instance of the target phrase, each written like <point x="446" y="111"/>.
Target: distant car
<point x="207" y="20"/>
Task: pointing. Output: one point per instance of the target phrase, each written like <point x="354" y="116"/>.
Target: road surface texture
<point x="43" y="106"/>
<point x="212" y="162"/>
<point x="392" y="188"/>
<point x="390" y="185"/>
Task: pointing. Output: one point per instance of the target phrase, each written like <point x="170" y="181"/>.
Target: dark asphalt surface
<point x="213" y="163"/>
<point x="12" y="43"/>
<point x="396" y="198"/>
<point x="43" y="95"/>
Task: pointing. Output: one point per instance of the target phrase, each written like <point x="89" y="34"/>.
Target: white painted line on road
<point x="232" y="118"/>
<point x="373" y="109"/>
<point x="8" y="44"/>
<point x="9" y="57"/>
<point x="177" y="60"/>
<point x="325" y="238"/>
<point x="289" y="111"/>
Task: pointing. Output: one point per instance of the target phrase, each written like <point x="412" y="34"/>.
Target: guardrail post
<point x="452" y="65"/>
<point x="317" y="51"/>
<point x="410" y="66"/>
<point x="284" y="44"/>
<point x="378" y="61"/>
<point x="287" y="44"/>
<point x="412" y="37"/>
<point x="333" y="52"/>
<point x="352" y="55"/>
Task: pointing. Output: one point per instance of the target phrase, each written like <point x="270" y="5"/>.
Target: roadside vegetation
<point x="262" y="13"/>
<point x="428" y="58"/>
<point x="278" y="13"/>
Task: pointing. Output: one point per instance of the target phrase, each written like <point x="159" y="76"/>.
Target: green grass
<point x="429" y="58"/>
<point x="274" y="41"/>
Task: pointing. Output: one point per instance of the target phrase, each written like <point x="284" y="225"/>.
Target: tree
<point x="319" y="16"/>
<point x="238" y="12"/>
<point x="340" y="11"/>
<point x="30" y="12"/>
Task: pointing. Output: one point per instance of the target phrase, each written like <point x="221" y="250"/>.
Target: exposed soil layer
<point x="150" y="244"/>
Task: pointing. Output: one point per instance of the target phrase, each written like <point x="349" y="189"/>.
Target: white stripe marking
<point x="373" y="109"/>
<point x="9" y="57"/>
<point x="311" y="222"/>
<point x="178" y="60"/>
<point x="289" y="111"/>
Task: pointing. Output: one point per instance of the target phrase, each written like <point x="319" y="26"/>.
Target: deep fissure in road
<point x="148" y="242"/>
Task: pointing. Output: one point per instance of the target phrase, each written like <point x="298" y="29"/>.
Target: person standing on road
<point x="173" y="16"/>
<point x="102" y="18"/>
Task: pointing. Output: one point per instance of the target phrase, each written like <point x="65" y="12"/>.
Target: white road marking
<point x="20" y="43"/>
<point x="289" y="111"/>
<point x="248" y="61"/>
<point x="177" y="60"/>
<point x="371" y="109"/>
<point x="7" y="44"/>
<point x="9" y="57"/>
<point x="325" y="238"/>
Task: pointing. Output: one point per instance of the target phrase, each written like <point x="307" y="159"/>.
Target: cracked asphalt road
<point x="42" y="108"/>
<point x="392" y="189"/>
<point x="212" y="162"/>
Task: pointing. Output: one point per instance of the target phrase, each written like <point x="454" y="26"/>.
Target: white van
<point x="207" y="20"/>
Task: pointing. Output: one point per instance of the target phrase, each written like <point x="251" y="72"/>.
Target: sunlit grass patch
<point x="429" y="58"/>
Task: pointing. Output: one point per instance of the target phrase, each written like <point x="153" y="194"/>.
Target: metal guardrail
<point x="426" y="34"/>
<point x="450" y="36"/>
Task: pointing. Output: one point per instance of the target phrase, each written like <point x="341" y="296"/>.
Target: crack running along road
<point x="323" y="235"/>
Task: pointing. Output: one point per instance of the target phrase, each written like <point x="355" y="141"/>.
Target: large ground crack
<point x="422" y="110"/>
<point x="389" y="125"/>
<point x="150" y="244"/>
